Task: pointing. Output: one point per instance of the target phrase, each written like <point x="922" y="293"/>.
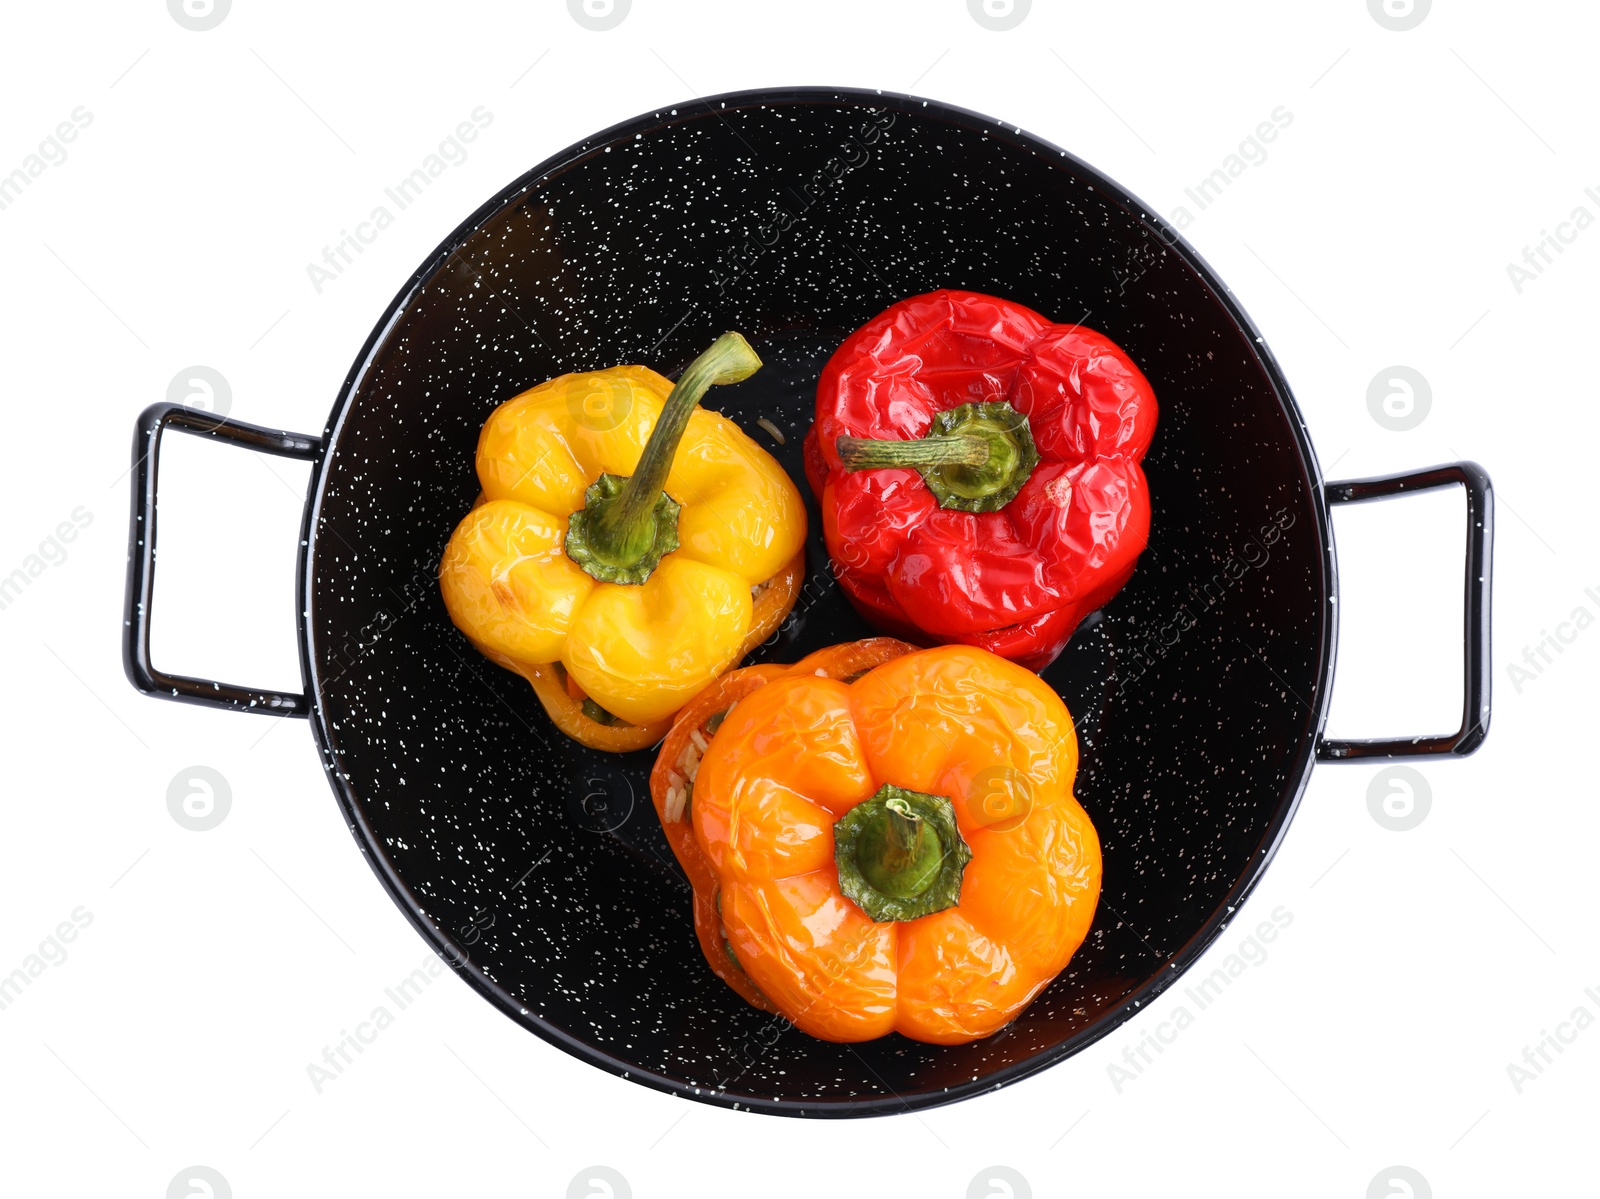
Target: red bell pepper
<point x="978" y="469"/>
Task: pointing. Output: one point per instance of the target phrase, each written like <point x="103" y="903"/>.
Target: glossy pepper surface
<point x="978" y="470"/>
<point x="882" y="840"/>
<point x="621" y="533"/>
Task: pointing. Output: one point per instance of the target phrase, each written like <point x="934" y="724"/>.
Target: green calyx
<point x="900" y="854"/>
<point x="598" y="714"/>
<point x="627" y="525"/>
<point x="974" y="458"/>
<point x="637" y="558"/>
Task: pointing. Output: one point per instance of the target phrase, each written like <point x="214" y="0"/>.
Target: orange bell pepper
<point x="882" y="840"/>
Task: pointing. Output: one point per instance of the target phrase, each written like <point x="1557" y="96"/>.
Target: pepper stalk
<point x="627" y="525"/>
<point x="900" y="854"/>
<point x="974" y="458"/>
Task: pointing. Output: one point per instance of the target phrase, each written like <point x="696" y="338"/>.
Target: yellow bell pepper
<point x="622" y="533"/>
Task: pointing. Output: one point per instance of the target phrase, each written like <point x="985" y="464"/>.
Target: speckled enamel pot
<point x="538" y="868"/>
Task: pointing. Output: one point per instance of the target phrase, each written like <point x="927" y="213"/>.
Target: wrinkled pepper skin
<point x="1015" y="581"/>
<point x="638" y="651"/>
<point x="752" y="816"/>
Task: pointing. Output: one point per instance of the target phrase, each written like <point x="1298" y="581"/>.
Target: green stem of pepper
<point x="974" y="458"/>
<point x="900" y="855"/>
<point x="627" y="526"/>
<point x="861" y="453"/>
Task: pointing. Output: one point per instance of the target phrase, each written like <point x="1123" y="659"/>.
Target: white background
<point x="217" y="966"/>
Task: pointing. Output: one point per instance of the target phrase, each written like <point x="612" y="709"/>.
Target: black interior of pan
<point x="793" y="217"/>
